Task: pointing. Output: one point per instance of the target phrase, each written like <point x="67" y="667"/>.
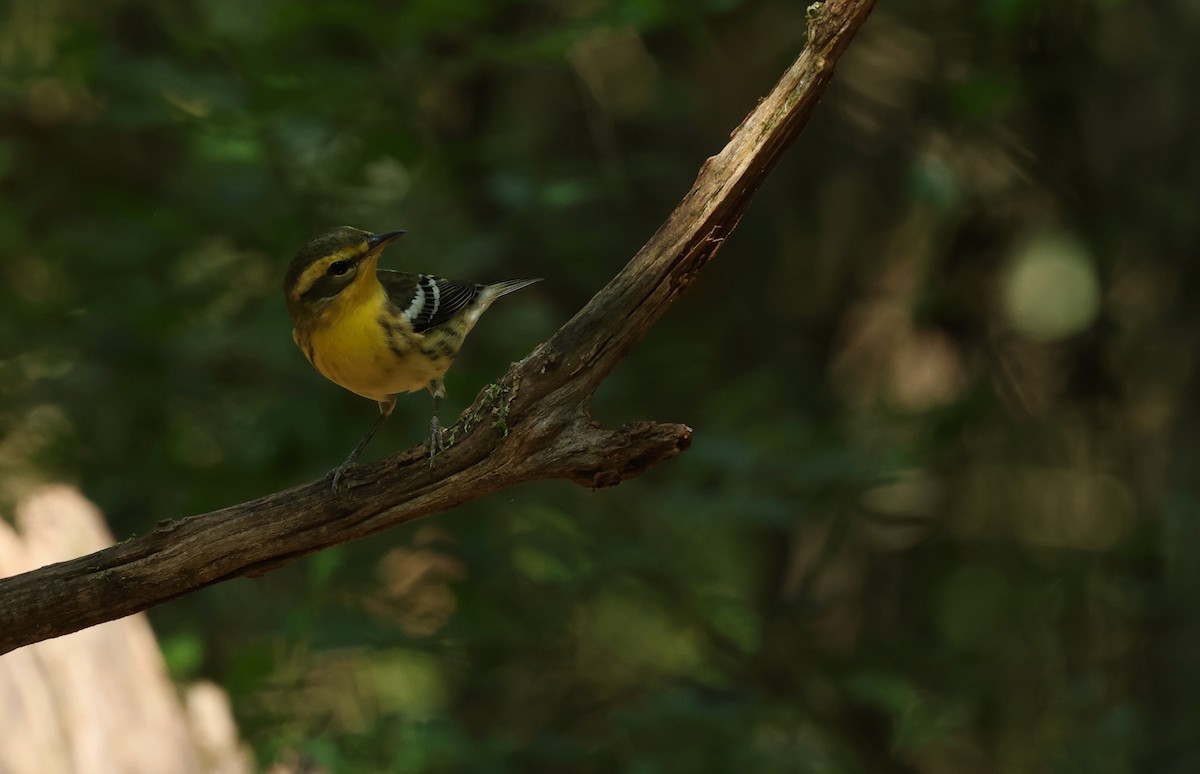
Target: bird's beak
<point x="377" y="242"/>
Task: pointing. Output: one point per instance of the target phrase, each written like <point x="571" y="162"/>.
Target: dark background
<point x="941" y="508"/>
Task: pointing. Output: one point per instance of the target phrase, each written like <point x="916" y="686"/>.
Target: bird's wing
<point x="427" y="301"/>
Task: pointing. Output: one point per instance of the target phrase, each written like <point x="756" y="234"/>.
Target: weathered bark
<point x="533" y="424"/>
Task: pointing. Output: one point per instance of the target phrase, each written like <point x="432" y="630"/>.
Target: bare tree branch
<point x="533" y="424"/>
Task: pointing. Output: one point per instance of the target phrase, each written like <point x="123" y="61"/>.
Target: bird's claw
<point x="338" y="475"/>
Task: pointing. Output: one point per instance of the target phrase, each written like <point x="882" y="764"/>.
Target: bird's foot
<point x="338" y="476"/>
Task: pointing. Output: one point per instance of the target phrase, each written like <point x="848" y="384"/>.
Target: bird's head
<point x="328" y="264"/>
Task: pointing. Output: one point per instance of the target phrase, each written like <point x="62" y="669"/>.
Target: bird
<point x="378" y="332"/>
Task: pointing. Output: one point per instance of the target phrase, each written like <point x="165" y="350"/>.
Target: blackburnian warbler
<point x="378" y="332"/>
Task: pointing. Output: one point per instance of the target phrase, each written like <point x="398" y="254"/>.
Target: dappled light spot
<point x="52" y="101"/>
<point x="38" y="430"/>
<point x="1050" y="289"/>
<point x="192" y="106"/>
<point x="34" y="279"/>
<point x="408" y="681"/>
<point x="901" y="511"/>
<point x="1047" y="507"/>
<point x="619" y="73"/>
<point x="1073" y="509"/>
<point x="387" y="182"/>
<point x="416" y="595"/>
<point x="831" y="585"/>
<point x="627" y="632"/>
<point x="884" y="357"/>
<point x="926" y="371"/>
<point x="549" y="547"/>
<point x="882" y="73"/>
<point x="349" y="689"/>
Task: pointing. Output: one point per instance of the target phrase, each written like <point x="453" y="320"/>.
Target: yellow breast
<point x="356" y="346"/>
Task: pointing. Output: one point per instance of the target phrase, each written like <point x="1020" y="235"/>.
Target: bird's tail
<point x="498" y="289"/>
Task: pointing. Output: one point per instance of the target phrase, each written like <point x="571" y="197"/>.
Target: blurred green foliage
<point x="941" y="505"/>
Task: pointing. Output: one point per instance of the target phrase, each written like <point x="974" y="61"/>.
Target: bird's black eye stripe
<point x="338" y="268"/>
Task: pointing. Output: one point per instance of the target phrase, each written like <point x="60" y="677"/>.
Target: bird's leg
<point x="385" y="410"/>
<point x="438" y="389"/>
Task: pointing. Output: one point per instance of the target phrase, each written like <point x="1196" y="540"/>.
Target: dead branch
<point x="533" y="424"/>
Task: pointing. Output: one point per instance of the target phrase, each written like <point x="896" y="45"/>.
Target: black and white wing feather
<point x="427" y="301"/>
